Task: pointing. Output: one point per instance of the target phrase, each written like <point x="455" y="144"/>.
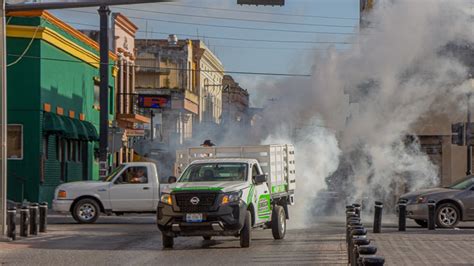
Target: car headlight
<point x="166" y="198"/>
<point x="422" y="199"/>
<point x="231" y="197"/>
<point x="62" y="194"/>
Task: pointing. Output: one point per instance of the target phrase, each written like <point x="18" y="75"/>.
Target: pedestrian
<point x="208" y="143"/>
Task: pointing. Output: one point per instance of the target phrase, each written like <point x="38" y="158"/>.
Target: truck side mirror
<point x="260" y="179"/>
<point x="172" y="179"/>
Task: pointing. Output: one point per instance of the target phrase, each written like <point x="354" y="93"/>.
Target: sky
<point x="295" y="56"/>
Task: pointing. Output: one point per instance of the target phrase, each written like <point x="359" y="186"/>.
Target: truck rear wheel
<point x="168" y="241"/>
<point x="86" y="211"/>
<point x="245" y="232"/>
<point x="278" y="222"/>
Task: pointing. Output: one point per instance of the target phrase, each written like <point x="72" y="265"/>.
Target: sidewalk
<point x="419" y="246"/>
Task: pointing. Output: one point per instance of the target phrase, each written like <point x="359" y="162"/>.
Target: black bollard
<point x="11" y="222"/>
<point x="357" y="208"/>
<point x="24" y="217"/>
<point x="431" y="215"/>
<point x="350" y="227"/>
<point x="356" y="242"/>
<point x="378" y="217"/>
<point x="371" y="260"/>
<point x="43" y="217"/>
<point x="402" y="215"/>
<point x="355" y="233"/>
<point x="34" y="209"/>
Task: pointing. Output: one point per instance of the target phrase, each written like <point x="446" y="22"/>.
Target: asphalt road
<point x="135" y="240"/>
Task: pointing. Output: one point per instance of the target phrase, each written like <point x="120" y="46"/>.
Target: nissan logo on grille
<point x="194" y="200"/>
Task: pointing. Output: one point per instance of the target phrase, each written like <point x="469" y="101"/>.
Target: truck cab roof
<point x="224" y="160"/>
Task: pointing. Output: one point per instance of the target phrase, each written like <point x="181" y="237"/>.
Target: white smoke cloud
<point x="397" y="72"/>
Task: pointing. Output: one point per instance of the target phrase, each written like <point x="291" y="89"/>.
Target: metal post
<point x="431" y="215"/>
<point x="11" y="221"/>
<point x="104" y="12"/>
<point x="378" y="217"/>
<point x="43" y="217"/>
<point x="356" y="243"/>
<point x="402" y="213"/>
<point x="468" y="136"/>
<point x="34" y="208"/>
<point x="3" y="121"/>
<point x="152" y="126"/>
<point x="24" y="213"/>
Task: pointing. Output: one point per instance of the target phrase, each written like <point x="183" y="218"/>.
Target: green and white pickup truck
<point x="227" y="191"/>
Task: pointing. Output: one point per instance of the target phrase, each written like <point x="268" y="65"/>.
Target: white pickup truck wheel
<point x="86" y="211"/>
<point x="278" y="222"/>
<point x="246" y="230"/>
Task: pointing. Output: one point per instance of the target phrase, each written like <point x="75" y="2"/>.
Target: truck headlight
<point x="62" y="194"/>
<point x="166" y="198"/>
<point x="231" y="197"/>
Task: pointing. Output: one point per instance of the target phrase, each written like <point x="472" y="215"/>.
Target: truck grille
<point x="205" y="204"/>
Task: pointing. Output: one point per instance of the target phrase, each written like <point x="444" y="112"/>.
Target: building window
<point x="79" y="151"/>
<point x="96" y="95"/>
<point x="15" y="142"/>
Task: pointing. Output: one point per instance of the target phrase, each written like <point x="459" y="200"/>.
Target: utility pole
<point x="104" y="13"/>
<point x="3" y="115"/>
<point x="468" y="136"/>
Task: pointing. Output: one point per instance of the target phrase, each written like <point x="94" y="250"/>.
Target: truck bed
<point x="278" y="161"/>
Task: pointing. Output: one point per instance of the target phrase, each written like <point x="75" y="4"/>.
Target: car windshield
<point x="113" y="173"/>
<point x="463" y="183"/>
<point x="212" y="172"/>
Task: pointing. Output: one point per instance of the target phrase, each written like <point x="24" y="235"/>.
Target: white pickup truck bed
<point x="278" y="161"/>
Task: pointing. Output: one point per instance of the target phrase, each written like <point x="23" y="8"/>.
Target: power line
<point x="235" y="39"/>
<point x="260" y="12"/>
<point x="223" y="26"/>
<point x="238" y="19"/>
<point x="169" y="68"/>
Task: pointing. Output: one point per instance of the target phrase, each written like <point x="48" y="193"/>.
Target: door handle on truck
<point x="146" y="188"/>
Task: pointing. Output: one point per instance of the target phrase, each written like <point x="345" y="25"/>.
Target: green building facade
<point x="53" y="105"/>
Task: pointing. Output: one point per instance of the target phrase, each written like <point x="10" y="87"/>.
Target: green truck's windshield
<point x="215" y="172"/>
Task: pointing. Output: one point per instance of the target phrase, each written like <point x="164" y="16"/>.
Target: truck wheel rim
<point x="448" y="216"/>
<point x="87" y="212"/>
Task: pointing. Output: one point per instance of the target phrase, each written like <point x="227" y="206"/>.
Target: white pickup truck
<point x="131" y="188"/>
<point x="227" y="191"/>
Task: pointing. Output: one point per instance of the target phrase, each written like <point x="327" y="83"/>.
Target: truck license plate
<point x="194" y="217"/>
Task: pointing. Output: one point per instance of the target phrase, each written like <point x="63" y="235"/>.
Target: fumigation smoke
<point x="351" y="122"/>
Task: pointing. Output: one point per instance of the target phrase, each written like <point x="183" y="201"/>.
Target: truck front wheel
<point x="168" y="241"/>
<point x="86" y="211"/>
<point x="278" y="222"/>
<point x="245" y="232"/>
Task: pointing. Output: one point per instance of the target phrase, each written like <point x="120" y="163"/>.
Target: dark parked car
<point x="453" y="204"/>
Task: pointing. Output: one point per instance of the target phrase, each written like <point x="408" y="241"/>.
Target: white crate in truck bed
<point x="278" y="161"/>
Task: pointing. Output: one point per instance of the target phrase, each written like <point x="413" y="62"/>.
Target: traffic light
<point x="262" y="2"/>
<point x="470" y="134"/>
<point x="457" y="131"/>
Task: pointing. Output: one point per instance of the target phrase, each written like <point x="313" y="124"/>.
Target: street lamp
<point x="104" y="69"/>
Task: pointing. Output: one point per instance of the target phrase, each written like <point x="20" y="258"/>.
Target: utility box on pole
<point x="262" y="2"/>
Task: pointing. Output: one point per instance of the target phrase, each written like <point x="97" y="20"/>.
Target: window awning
<point x="92" y="132"/>
<point x="69" y="128"/>
<point x="53" y="124"/>
<point x="82" y="132"/>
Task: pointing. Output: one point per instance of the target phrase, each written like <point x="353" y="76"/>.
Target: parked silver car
<point x="453" y="204"/>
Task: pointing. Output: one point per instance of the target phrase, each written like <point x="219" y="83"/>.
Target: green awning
<point x="71" y="129"/>
<point x="53" y="124"/>
<point x="92" y="131"/>
<point x="82" y="131"/>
